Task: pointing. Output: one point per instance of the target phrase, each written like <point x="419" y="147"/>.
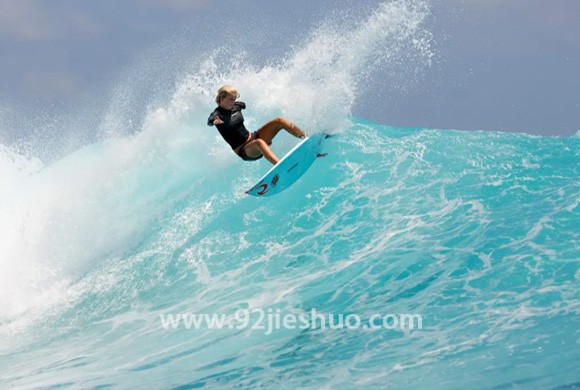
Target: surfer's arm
<point x="213" y="116"/>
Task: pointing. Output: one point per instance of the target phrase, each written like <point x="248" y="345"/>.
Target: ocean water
<point x="475" y="234"/>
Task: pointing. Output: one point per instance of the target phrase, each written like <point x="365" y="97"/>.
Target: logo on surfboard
<point x="264" y="187"/>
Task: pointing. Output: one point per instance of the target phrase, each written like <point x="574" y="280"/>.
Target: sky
<point x="505" y="65"/>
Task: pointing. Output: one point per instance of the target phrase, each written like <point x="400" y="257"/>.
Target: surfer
<point x="228" y="119"/>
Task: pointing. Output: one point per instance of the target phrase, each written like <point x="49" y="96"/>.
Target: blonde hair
<point x="224" y="91"/>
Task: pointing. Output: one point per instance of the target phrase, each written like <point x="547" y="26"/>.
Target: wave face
<point x="474" y="232"/>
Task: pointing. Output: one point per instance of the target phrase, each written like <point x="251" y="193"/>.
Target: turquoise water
<point x="474" y="232"/>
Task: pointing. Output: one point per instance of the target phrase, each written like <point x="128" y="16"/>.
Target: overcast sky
<point x="509" y="65"/>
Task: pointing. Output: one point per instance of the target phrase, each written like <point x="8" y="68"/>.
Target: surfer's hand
<point x="217" y="121"/>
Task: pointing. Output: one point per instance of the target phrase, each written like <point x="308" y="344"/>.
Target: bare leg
<point x="259" y="146"/>
<point x="270" y="129"/>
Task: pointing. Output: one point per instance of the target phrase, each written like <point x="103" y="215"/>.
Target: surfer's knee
<point x="281" y="122"/>
<point x="260" y="143"/>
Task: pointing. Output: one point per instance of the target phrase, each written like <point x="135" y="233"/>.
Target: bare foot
<point x="296" y="132"/>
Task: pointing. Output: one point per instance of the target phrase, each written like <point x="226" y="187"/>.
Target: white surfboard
<point x="290" y="168"/>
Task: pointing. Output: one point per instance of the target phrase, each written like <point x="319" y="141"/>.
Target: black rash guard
<point x="233" y="129"/>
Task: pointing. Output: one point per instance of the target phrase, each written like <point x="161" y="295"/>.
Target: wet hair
<point x="224" y="91"/>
